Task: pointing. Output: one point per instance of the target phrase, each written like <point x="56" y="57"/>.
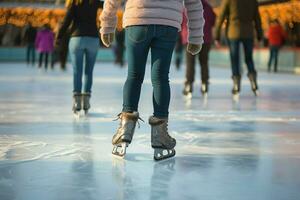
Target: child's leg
<point x="203" y="60"/>
<point x="162" y="48"/>
<point x="46" y="60"/>
<point x="137" y="45"/>
<point x="41" y="59"/>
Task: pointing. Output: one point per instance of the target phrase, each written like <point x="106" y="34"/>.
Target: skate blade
<point x="163" y="154"/>
<point x="205" y="95"/>
<point x="119" y="150"/>
<point x="77" y="114"/>
<point x="188" y="96"/>
<point x="256" y="93"/>
<point x="236" y="97"/>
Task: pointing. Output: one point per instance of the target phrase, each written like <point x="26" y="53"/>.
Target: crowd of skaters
<point x="157" y="32"/>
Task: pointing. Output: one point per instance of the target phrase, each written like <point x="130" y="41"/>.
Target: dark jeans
<point x="41" y="57"/>
<point x="234" y="46"/>
<point x="203" y="60"/>
<point x="30" y="54"/>
<point x="160" y="40"/>
<point x="274" y="51"/>
<point x="83" y="49"/>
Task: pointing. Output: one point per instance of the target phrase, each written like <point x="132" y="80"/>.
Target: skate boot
<point x="204" y="89"/>
<point x="86" y="102"/>
<point x="161" y="141"/>
<point x="236" y="87"/>
<point x="125" y="132"/>
<point x="76" y="104"/>
<point x="188" y="90"/>
<point x="253" y="82"/>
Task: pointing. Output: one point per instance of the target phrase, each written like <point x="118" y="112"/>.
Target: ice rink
<point x="226" y="150"/>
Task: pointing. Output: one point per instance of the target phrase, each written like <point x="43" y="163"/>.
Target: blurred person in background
<point x="276" y="37"/>
<point x="203" y="56"/>
<point x="243" y="19"/>
<point x="44" y="43"/>
<point x="120" y="40"/>
<point x="29" y="40"/>
<point x="61" y="50"/>
<point x="150" y="26"/>
<point x="83" y="46"/>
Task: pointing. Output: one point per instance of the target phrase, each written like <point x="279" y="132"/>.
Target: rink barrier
<point x="289" y="58"/>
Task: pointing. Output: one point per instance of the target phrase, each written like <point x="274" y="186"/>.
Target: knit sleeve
<point x="195" y="21"/>
<point x="108" y="16"/>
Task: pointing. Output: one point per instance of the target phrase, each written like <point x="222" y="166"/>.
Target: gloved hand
<point x="194" y="48"/>
<point x="107" y="39"/>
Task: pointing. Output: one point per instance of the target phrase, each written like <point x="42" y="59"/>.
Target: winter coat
<point x="276" y="35"/>
<point x="209" y="17"/>
<point x="82" y="19"/>
<point x="242" y="19"/>
<point x="145" y="12"/>
<point x="44" y="42"/>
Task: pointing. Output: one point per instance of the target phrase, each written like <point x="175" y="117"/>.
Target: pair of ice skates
<point x="162" y="143"/>
<point x="81" y="102"/>
<point x="188" y="90"/>
<point x="237" y="85"/>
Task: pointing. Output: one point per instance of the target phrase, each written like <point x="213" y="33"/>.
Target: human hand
<point x="217" y="43"/>
<point x="194" y="48"/>
<point x="107" y="39"/>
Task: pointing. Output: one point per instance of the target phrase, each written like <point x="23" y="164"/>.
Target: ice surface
<point x="242" y="150"/>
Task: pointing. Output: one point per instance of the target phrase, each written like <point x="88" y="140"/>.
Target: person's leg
<point x="203" y="60"/>
<point x="276" y="51"/>
<point x="33" y="54"/>
<point x="76" y="53"/>
<point x="248" y="51"/>
<point x="28" y="50"/>
<point x="252" y="74"/>
<point x="91" y="49"/>
<point x="162" y="48"/>
<point x="46" y="60"/>
<point x="234" y="47"/>
<point x="41" y="59"/>
<point x="190" y="69"/>
<point x="271" y="57"/>
<point x="137" y="44"/>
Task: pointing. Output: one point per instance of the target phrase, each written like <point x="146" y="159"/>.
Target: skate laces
<point x="119" y="117"/>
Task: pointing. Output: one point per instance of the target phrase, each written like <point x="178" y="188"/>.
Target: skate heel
<point x="119" y="150"/>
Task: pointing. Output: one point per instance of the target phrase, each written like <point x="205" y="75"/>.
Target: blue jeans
<point x="234" y="46"/>
<point x="160" y="40"/>
<point x="274" y="50"/>
<point x="83" y="49"/>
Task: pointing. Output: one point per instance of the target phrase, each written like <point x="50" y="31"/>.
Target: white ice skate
<point x="204" y="90"/>
<point x="86" y="103"/>
<point x="162" y="143"/>
<point x="124" y="135"/>
<point x="76" y="105"/>
<point x="187" y="91"/>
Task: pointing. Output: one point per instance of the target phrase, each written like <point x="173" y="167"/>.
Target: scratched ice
<point x="225" y="149"/>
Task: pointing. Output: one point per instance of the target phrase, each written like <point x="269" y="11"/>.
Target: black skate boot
<point x="86" y="102"/>
<point x="162" y="143"/>
<point x="125" y="132"/>
<point x="236" y="87"/>
<point x="76" y="104"/>
<point x="204" y="88"/>
<point x="188" y="90"/>
<point x="252" y="77"/>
